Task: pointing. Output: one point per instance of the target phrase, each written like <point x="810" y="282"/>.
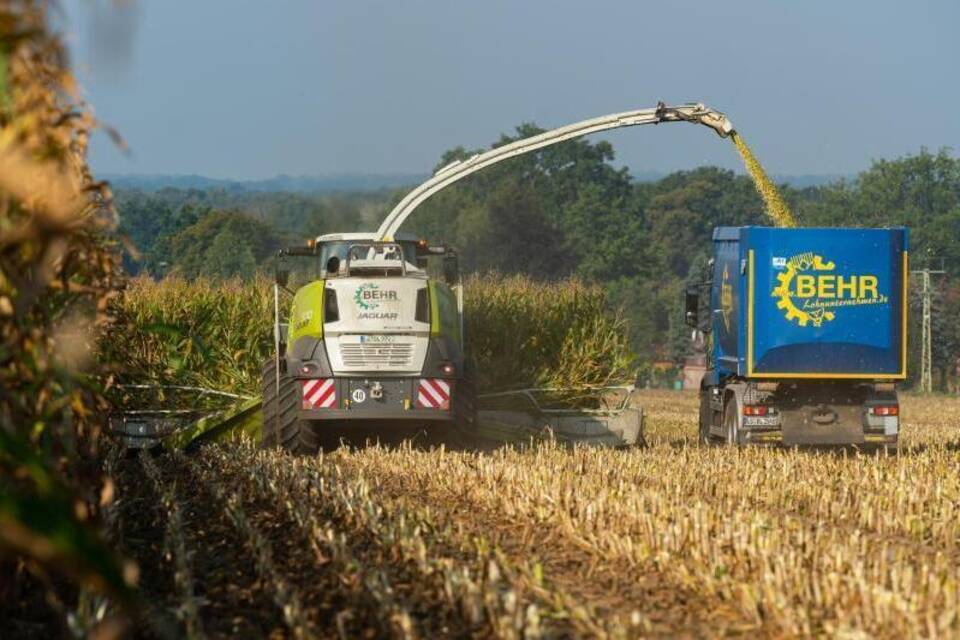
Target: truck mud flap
<point x="516" y="416"/>
<point x="823" y="424"/>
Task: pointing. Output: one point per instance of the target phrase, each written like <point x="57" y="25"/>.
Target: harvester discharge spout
<point x="697" y="113"/>
<point x="694" y="112"/>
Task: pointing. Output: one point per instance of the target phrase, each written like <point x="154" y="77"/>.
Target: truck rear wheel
<point x="706" y="417"/>
<point x="731" y="422"/>
<point x="281" y="425"/>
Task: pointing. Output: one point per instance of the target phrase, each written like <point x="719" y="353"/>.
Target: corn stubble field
<point x="674" y="539"/>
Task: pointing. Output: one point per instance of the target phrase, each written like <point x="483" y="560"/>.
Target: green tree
<point x="229" y="255"/>
<point x="188" y="252"/>
<point x="685" y="207"/>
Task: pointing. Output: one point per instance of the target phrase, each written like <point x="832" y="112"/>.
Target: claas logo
<point x="809" y="294"/>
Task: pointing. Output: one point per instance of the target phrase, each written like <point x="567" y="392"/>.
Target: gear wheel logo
<point x="366" y="302"/>
<point x="796" y="265"/>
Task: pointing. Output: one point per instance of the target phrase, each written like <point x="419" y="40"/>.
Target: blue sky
<point x="241" y="89"/>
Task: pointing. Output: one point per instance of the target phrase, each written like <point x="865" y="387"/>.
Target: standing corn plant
<point x="520" y="333"/>
<point x="57" y="274"/>
<point x="199" y="333"/>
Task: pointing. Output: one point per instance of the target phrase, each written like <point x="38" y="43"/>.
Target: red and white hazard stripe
<point x="433" y="393"/>
<point x="319" y="394"/>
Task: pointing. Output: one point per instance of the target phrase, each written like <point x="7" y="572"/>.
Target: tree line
<point x="568" y="211"/>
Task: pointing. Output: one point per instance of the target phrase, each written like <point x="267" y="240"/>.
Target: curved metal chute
<point x="694" y="112"/>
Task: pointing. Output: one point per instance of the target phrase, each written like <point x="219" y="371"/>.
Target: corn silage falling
<point x="776" y="206"/>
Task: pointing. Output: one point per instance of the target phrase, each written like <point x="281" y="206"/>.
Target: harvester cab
<point x="372" y="346"/>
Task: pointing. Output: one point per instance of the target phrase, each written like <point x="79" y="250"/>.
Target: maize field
<point x="519" y="333"/>
<point x="540" y="541"/>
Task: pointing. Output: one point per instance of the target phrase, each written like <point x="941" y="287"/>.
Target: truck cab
<point x="372" y="344"/>
<point x="805" y="333"/>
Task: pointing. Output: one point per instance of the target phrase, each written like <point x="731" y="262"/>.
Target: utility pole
<point x="926" y="347"/>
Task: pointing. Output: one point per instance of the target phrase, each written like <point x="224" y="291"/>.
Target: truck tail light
<point x="758" y="410"/>
<point x="887" y="410"/>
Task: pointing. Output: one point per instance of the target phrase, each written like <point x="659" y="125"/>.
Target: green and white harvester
<point x="372" y="347"/>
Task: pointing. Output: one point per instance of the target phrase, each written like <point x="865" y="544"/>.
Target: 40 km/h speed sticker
<point x="358" y="395"/>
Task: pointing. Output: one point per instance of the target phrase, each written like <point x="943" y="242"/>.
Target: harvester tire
<point x="281" y="425"/>
<point x="466" y="402"/>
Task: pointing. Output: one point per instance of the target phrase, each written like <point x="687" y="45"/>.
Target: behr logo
<point x="806" y="293"/>
<point x="369" y="296"/>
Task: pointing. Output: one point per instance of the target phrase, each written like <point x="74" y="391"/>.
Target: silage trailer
<point x="806" y="333"/>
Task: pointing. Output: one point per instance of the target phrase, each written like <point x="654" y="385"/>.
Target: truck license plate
<point x="378" y="339"/>
<point x="762" y="421"/>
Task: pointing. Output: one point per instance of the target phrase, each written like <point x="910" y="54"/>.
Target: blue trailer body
<point x="812" y="303"/>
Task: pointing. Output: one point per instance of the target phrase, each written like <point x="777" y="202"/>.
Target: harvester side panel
<point x="306" y="312"/>
<point x="444" y="318"/>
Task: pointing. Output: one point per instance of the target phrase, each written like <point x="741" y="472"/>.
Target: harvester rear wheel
<point x="281" y="425"/>
<point x="465" y="401"/>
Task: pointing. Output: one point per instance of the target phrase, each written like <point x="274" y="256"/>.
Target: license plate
<point x="761" y="421"/>
<point x="377" y="339"/>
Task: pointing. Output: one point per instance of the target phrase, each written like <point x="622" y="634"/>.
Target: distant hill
<point x="364" y="182"/>
<point x="801" y="181"/>
<point x="296" y="184"/>
<point x="814" y="179"/>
